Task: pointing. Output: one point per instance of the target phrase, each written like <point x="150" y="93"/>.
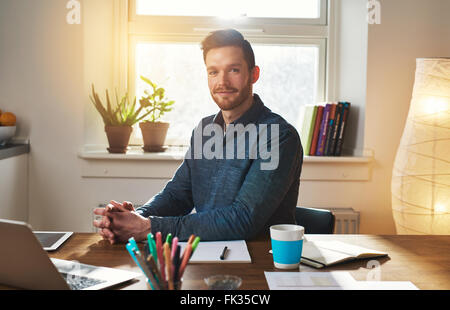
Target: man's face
<point x="229" y="79"/>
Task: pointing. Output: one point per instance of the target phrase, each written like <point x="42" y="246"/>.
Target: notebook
<point x="210" y="252"/>
<point x="321" y="254"/>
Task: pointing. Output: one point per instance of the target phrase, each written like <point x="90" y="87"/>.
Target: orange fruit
<point x="7" y="119"/>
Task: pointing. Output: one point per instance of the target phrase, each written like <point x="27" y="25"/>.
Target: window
<point x="249" y="8"/>
<point x="289" y="38"/>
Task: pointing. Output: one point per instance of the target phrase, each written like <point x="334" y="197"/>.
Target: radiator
<point x="346" y="220"/>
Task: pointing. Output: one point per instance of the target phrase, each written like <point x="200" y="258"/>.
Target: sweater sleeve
<point x="176" y="197"/>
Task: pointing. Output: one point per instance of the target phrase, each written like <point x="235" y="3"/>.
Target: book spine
<point x="337" y="123"/>
<point x="312" y="263"/>
<point x="330" y="126"/>
<point x="310" y="131"/>
<point x="340" y="139"/>
<point x="315" y="136"/>
<point x="323" y="130"/>
<point x="306" y="119"/>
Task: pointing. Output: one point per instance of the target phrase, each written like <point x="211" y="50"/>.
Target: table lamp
<point x="421" y="173"/>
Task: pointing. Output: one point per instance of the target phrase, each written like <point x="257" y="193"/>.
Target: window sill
<point x="98" y="163"/>
<point x="98" y="152"/>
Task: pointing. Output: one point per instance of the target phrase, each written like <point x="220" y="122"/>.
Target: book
<point x="323" y="130"/>
<point x="321" y="254"/>
<point x="310" y="131"/>
<point x="330" y="128"/>
<point x="307" y="126"/>
<point x="315" y="135"/>
<point x="340" y="137"/>
<point x="337" y="122"/>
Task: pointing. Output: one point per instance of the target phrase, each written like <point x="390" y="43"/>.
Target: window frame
<point x="133" y="28"/>
<point x="208" y="20"/>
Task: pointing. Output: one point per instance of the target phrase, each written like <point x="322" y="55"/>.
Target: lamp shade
<point x="421" y="173"/>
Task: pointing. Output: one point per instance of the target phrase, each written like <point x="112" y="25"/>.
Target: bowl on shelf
<point x="6" y="133"/>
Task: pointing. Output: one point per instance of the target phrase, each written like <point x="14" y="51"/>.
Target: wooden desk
<point x="423" y="260"/>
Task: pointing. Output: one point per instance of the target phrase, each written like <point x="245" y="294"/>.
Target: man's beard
<point x="226" y="104"/>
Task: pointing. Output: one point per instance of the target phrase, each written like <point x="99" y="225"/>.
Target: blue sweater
<point x="234" y="197"/>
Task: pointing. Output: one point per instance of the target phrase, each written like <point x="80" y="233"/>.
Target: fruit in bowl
<point x="7" y="119"/>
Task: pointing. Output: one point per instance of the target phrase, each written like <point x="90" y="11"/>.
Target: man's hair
<point x="229" y="37"/>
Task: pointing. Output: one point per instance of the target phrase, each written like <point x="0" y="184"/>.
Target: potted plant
<point x="153" y="130"/>
<point x="118" y="120"/>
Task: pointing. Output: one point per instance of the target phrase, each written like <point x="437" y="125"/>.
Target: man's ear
<point x="255" y="74"/>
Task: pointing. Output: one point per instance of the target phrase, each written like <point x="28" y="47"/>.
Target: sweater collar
<point x="249" y="116"/>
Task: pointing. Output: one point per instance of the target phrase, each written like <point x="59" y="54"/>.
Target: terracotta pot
<point x="154" y="135"/>
<point x="118" y="138"/>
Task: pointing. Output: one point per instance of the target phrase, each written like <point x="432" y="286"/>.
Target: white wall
<point x="14" y="188"/>
<point x="409" y="29"/>
<point x="350" y="60"/>
<point x="47" y="66"/>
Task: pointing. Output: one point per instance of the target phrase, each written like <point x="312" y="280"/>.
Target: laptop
<point x="25" y="264"/>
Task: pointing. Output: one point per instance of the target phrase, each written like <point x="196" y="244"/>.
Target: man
<point x="234" y="198"/>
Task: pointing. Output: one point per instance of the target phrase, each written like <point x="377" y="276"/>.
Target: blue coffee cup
<point x="287" y="245"/>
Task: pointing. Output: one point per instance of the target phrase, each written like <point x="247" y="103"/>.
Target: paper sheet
<point x="385" y="285"/>
<point x="210" y="251"/>
<point x="334" y="280"/>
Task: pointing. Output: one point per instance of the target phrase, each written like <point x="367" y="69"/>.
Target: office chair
<point x="315" y="221"/>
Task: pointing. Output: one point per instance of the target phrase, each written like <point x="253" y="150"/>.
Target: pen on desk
<point x="131" y="249"/>
<point x="154" y="268"/>
<point x="168" y="262"/>
<point x="174" y="247"/>
<point x="191" y="239"/>
<point x="195" y="244"/>
<point x="222" y="257"/>
<point x="152" y="245"/>
<point x="133" y="243"/>
<point x="185" y="259"/>
<point x="169" y="239"/>
<point x="159" y="250"/>
<point x="147" y="272"/>
<point x="176" y="263"/>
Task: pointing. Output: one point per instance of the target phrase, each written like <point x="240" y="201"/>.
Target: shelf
<point x="11" y="150"/>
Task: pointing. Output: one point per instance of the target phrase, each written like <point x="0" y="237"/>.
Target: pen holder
<point x="162" y="264"/>
<point x="176" y="286"/>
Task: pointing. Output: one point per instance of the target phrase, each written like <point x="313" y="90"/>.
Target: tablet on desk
<point x="51" y="240"/>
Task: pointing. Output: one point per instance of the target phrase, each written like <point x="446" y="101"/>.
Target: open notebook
<point x="321" y="254"/>
<point x="210" y="252"/>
